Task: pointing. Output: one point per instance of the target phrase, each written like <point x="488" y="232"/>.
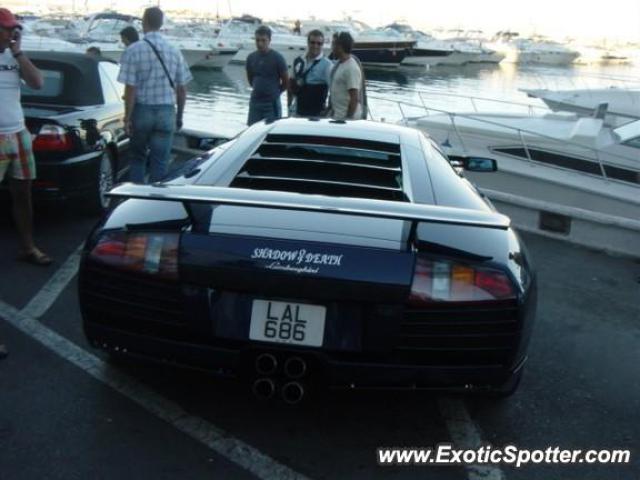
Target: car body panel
<point x="89" y="107"/>
<point x="355" y="257"/>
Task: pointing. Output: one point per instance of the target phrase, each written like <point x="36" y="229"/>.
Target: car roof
<point x="82" y="86"/>
<point x="352" y="129"/>
<point x="78" y="59"/>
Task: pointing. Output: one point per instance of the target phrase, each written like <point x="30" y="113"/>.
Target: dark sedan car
<point x="306" y="253"/>
<point x="77" y="124"/>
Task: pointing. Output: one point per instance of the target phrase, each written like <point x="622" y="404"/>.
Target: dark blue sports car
<point x="308" y="253"/>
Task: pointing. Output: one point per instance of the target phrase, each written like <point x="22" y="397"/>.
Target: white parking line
<point x="466" y="435"/>
<point x="197" y="428"/>
<point x="48" y="294"/>
<point x="462" y="430"/>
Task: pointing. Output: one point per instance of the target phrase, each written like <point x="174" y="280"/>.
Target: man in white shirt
<point x="346" y="81"/>
<point x="16" y="156"/>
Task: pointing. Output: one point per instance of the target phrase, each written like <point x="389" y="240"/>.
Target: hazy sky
<point x="614" y="19"/>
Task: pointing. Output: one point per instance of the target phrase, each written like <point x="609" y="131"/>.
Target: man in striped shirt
<point x="155" y="77"/>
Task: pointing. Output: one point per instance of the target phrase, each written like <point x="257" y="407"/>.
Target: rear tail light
<point x="143" y="252"/>
<point x="53" y="138"/>
<point x="437" y="281"/>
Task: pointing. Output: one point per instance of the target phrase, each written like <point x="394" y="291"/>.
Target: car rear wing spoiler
<point x="189" y="194"/>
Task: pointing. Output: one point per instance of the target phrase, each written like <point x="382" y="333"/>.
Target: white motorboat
<point x="623" y="103"/>
<point x="59" y="27"/>
<point x="102" y="30"/>
<point x="329" y="27"/>
<point x="559" y="158"/>
<point x="536" y="50"/>
<point x="382" y="48"/>
<point x="33" y="41"/>
<point x="218" y="58"/>
<point x="239" y="33"/>
<point x="597" y="54"/>
<point x="472" y="44"/>
<point x="428" y="50"/>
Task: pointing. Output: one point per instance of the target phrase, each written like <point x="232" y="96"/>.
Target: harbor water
<point x="218" y="100"/>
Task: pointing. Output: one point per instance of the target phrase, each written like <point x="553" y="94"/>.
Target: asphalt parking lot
<point x="66" y="413"/>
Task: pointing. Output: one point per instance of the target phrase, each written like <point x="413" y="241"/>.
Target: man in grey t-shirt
<point x="267" y="74"/>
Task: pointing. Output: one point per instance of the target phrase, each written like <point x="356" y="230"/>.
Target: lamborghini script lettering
<point x="297" y="257"/>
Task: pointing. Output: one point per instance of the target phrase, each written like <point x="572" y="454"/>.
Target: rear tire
<point x="103" y="181"/>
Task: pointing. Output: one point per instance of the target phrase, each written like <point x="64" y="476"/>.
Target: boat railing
<point x="474" y="100"/>
<point x="520" y="132"/>
<point x="587" y="81"/>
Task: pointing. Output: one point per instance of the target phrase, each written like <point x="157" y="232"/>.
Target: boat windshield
<point x="629" y="133"/>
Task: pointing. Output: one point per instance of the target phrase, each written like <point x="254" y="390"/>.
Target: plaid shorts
<point x="16" y="156"/>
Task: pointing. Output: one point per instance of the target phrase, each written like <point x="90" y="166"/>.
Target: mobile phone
<point x="15" y="36"/>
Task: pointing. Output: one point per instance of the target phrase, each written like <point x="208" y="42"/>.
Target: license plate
<point x="285" y="322"/>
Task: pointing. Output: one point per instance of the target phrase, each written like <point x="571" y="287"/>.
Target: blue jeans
<point x="268" y="111"/>
<point x="152" y="128"/>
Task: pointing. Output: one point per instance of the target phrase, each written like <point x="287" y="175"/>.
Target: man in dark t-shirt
<point x="268" y="76"/>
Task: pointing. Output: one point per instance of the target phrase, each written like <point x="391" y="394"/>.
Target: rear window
<point x="53" y="81"/>
<point x="331" y="166"/>
<point x="74" y="83"/>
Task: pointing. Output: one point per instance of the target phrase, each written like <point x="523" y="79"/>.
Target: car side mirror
<point x="479" y="164"/>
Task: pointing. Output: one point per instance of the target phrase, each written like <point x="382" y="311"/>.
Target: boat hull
<point x="547" y="182"/>
<point x="381" y="54"/>
<point x="430" y="58"/>
<point x="215" y="60"/>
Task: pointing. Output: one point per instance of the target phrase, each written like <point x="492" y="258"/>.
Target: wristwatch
<point x="16" y="55"/>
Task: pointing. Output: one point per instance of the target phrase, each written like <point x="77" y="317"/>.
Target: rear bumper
<point x="70" y="178"/>
<point x="325" y="369"/>
<point x="364" y="345"/>
<point x="65" y="179"/>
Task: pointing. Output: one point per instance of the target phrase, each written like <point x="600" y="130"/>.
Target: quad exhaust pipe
<point x="292" y="393"/>
<point x="266" y="364"/>
<point x="264" y="388"/>
<point x="295" y="367"/>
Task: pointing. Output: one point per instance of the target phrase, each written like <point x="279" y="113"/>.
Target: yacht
<point x="472" y="43"/>
<point x="218" y="58"/>
<point x="329" y="27"/>
<point x="102" y="30"/>
<point x="596" y="54"/>
<point x="382" y="48"/>
<point x="34" y="41"/>
<point x="428" y="51"/>
<point x="239" y="33"/>
<point x="54" y="26"/>
<point x="560" y="158"/>
<point x="535" y="50"/>
<point x="373" y="47"/>
<point x="192" y="37"/>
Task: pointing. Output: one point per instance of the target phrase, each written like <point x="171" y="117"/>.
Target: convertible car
<point x="77" y="124"/>
<point x="315" y="253"/>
